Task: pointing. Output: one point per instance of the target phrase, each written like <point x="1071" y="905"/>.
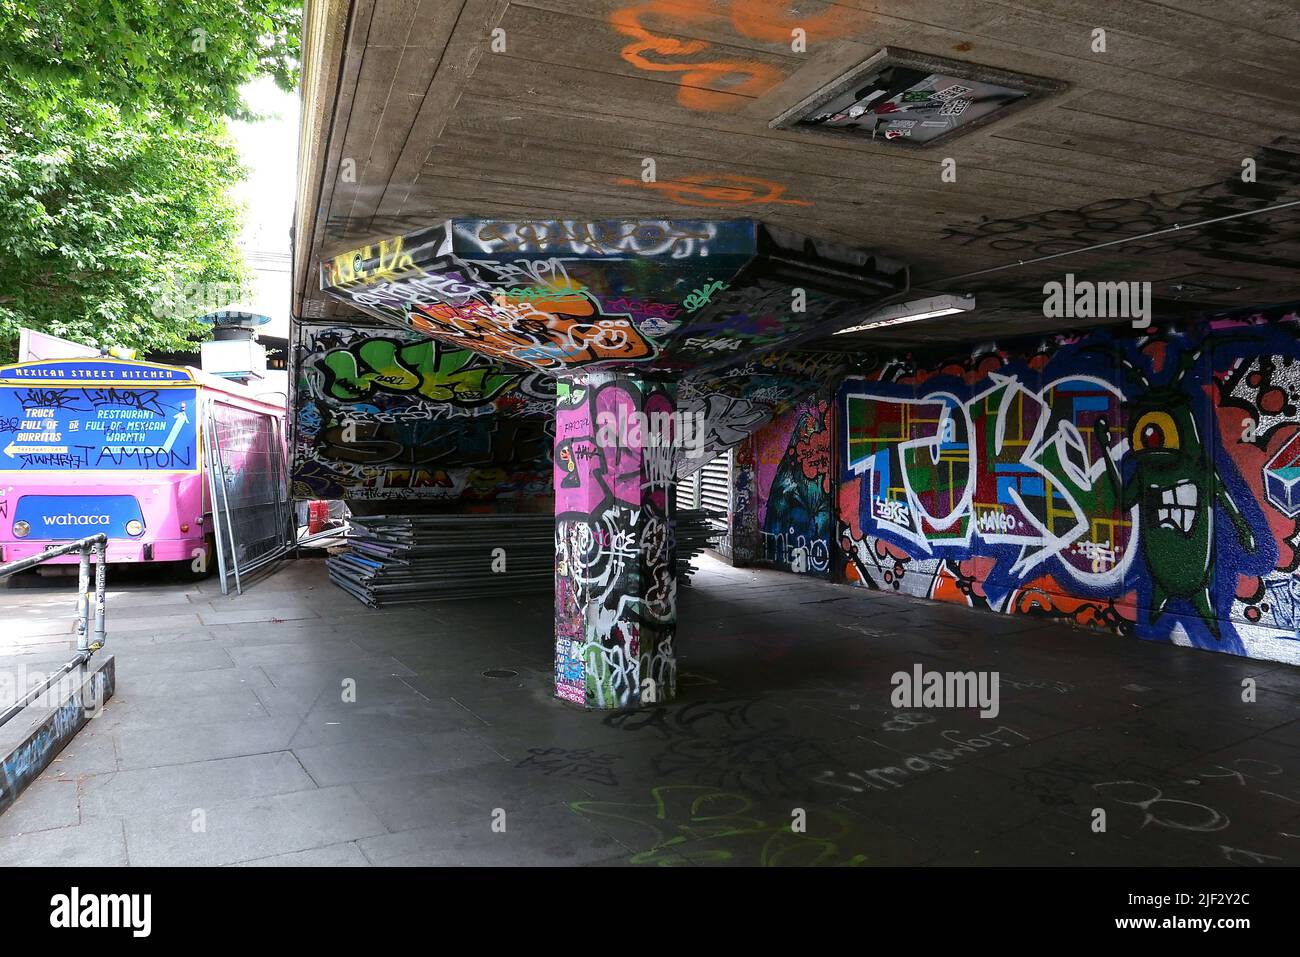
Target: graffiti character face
<point x="1172" y="484"/>
<point x="1171" y="469"/>
<point x="1176" y="491"/>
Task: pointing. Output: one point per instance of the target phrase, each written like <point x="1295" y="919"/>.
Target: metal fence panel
<point x="250" y="490"/>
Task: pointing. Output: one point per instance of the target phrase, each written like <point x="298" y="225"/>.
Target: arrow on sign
<point x="180" y="419"/>
<point x="11" y="450"/>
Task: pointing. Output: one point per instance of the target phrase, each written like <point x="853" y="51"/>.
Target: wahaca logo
<point x="70" y="519"/>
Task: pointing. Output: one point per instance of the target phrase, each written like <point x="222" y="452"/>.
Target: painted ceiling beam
<point x="656" y="297"/>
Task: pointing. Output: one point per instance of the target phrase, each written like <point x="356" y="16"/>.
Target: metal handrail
<point x="88" y="640"/>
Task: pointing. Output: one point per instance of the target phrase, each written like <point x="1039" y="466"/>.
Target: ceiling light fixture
<point x="913" y="311"/>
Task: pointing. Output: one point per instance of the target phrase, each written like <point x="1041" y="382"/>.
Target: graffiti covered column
<point x="615" y="558"/>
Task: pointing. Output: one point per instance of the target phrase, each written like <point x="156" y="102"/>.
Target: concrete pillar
<point x="615" y="555"/>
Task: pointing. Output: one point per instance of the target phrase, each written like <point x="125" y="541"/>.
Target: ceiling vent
<point x="914" y="100"/>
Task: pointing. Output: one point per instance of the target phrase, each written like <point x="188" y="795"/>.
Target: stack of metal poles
<point x="391" y="559"/>
<point x="403" y="558"/>
<point x="694" y="532"/>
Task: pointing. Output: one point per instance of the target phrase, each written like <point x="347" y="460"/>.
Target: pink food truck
<point x="129" y="449"/>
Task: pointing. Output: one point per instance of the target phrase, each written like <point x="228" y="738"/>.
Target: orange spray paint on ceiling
<point x="766" y="20"/>
<point x="718" y="190"/>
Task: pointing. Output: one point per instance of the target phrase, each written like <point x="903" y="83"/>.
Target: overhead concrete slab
<point x="654" y="297"/>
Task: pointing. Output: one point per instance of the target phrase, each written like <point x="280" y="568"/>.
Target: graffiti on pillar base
<point x="615" y="587"/>
<point x="1141" y="484"/>
<point x="570" y="674"/>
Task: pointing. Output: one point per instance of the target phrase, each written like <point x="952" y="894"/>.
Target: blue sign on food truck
<point x="97" y="428"/>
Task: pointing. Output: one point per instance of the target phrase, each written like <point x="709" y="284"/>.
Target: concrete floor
<point x="228" y="741"/>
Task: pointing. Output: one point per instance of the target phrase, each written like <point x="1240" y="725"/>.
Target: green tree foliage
<point x="115" y="159"/>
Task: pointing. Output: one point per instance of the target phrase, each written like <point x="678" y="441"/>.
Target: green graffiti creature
<point x="1175" y="488"/>
<point x="426" y="370"/>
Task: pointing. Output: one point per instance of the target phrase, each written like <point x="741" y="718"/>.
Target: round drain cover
<point x="500" y="673"/>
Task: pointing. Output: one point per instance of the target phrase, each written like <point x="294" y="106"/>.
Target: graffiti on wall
<point x="739" y="399"/>
<point x="1008" y="464"/>
<point x="615" y="584"/>
<point x="382" y="414"/>
<point x="783" y="511"/>
<point x="426" y="370"/>
<point x="1140" y="484"/>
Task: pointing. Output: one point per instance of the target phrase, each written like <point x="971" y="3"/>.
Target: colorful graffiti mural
<point x="653" y="296"/>
<point x="558" y="296"/>
<point x="383" y="414"/>
<point x="740" y="399"/>
<point x="782" y="509"/>
<point x="1140" y="484"/>
<point x="562" y="332"/>
<point x="615" y="581"/>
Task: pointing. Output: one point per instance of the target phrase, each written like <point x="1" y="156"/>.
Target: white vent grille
<point x="708" y="488"/>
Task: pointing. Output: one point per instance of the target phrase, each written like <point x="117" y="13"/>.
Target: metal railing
<point x="90" y="638"/>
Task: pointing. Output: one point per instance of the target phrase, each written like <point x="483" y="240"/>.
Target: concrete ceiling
<point x="411" y="117"/>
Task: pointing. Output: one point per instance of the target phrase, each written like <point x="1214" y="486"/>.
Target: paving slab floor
<point x="294" y="726"/>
